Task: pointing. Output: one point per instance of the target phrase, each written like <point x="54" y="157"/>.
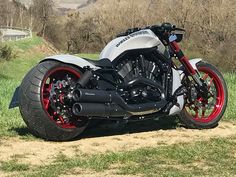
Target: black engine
<point x="139" y="89"/>
<point x="143" y="79"/>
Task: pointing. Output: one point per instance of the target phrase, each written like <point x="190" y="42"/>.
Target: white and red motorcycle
<point x="134" y="79"/>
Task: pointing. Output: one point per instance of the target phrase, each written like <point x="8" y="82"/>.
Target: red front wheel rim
<point x="51" y="77"/>
<point x="206" y="111"/>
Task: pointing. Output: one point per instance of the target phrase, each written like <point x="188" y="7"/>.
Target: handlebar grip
<point x="169" y="27"/>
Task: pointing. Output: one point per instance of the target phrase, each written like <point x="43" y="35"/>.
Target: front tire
<point x="35" y="104"/>
<point x="205" y="114"/>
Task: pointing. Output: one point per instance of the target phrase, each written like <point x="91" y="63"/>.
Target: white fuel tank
<point x="142" y="39"/>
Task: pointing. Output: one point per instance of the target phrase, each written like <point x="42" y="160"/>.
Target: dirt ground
<point x="108" y="138"/>
<point x="90" y="173"/>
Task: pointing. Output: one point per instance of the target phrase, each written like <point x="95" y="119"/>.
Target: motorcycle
<point x="136" y="78"/>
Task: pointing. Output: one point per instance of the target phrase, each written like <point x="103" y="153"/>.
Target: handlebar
<point x="157" y="29"/>
<point x="166" y="27"/>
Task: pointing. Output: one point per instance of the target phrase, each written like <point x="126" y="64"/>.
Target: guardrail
<point x="14" y="33"/>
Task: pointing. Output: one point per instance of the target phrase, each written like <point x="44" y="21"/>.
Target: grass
<point x="231" y="84"/>
<point x="13" y="165"/>
<point x="11" y="74"/>
<point x="26" y="43"/>
<point x="90" y="56"/>
<point x="215" y="157"/>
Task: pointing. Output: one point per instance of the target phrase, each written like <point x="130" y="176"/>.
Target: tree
<point x="42" y="12"/>
<point x="13" y="13"/>
<point x="20" y="13"/>
<point x="4" y="12"/>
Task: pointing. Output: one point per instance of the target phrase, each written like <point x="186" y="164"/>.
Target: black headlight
<point x="179" y="37"/>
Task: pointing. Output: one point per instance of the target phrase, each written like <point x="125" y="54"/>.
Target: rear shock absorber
<point x="85" y="78"/>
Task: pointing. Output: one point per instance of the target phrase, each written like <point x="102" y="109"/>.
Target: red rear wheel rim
<point x="54" y="75"/>
<point x="207" y="113"/>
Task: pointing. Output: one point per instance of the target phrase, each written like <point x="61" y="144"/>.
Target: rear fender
<point x="15" y="99"/>
<point x="73" y="60"/>
<point x="67" y="59"/>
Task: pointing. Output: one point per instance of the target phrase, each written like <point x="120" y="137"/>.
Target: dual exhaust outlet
<point x="100" y="103"/>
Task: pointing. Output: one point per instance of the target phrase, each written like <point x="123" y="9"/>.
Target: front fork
<point x="189" y="68"/>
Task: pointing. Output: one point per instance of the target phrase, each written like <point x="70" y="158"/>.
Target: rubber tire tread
<point x="31" y="107"/>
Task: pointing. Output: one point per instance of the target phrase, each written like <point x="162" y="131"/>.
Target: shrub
<point x="6" y="52"/>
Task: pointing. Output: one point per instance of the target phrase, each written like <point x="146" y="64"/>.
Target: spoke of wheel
<point x="200" y="99"/>
<point x="203" y="113"/>
<point x="47" y="87"/>
<point x="196" y="112"/>
<point x="46" y="102"/>
<point x="211" y="95"/>
<point x="210" y="84"/>
<point x="205" y="76"/>
<point x="62" y="120"/>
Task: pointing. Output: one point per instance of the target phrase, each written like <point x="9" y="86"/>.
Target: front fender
<point x="193" y="62"/>
<point x="73" y="60"/>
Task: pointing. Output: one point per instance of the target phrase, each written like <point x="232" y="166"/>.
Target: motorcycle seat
<point x="102" y="63"/>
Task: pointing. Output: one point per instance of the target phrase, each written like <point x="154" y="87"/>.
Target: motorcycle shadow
<point x="112" y="128"/>
<point x="103" y="128"/>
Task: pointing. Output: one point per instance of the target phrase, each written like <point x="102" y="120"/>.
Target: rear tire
<point x="32" y="104"/>
<point x="199" y="120"/>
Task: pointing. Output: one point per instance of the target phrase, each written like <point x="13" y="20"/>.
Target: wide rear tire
<point x="200" y="117"/>
<point x="35" y="103"/>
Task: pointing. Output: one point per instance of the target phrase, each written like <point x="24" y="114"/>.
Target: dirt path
<point x="38" y="152"/>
